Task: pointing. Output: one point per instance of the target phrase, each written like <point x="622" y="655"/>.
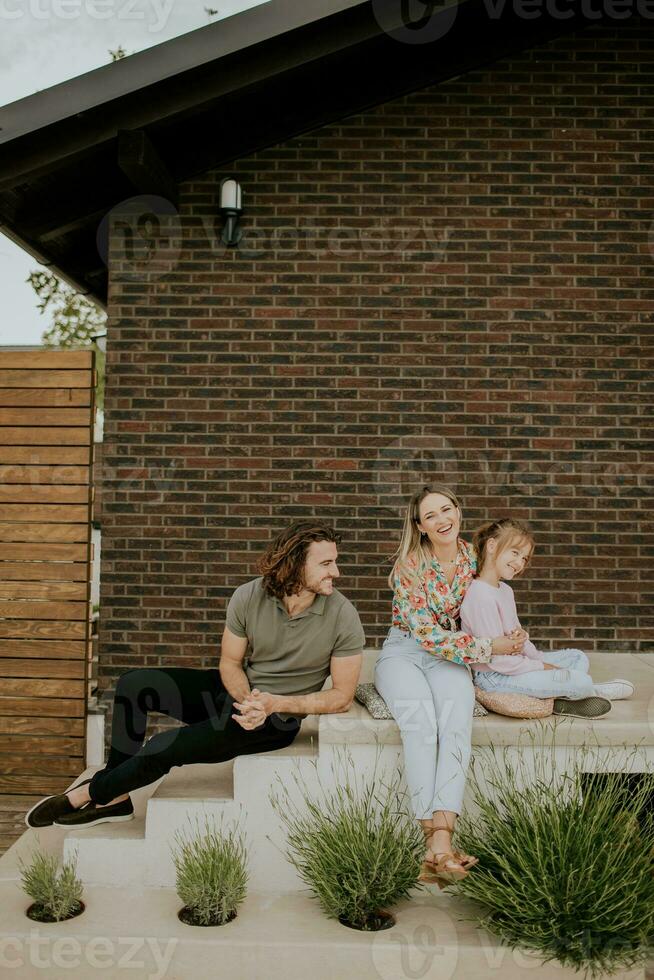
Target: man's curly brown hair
<point x="282" y="564"/>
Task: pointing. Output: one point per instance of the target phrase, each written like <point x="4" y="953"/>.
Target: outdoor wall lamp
<point x="231" y="210"/>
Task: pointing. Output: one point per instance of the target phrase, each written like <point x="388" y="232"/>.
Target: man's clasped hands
<point x="254" y="709"/>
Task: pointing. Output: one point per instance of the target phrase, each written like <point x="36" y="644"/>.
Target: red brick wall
<point x="455" y="286"/>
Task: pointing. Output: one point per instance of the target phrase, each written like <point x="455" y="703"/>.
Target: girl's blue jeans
<point x="570" y="679"/>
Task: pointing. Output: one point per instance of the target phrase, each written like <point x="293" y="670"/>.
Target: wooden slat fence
<point x="46" y="503"/>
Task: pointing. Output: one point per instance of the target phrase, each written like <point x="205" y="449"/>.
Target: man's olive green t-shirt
<point x="290" y="655"/>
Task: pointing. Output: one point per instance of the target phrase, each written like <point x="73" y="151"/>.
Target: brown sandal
<point x="437" y="870"/>
<point x="467" y="860"/>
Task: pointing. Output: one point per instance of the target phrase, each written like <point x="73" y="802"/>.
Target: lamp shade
<point x="230" y="195"/>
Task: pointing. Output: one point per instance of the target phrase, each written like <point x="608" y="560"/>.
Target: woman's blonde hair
<point x="413" y="557"/>
<point x="504" y="532"/>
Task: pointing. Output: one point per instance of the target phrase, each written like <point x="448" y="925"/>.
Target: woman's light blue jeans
<point x="432" y="701"/>
<point x="570" y="680"/>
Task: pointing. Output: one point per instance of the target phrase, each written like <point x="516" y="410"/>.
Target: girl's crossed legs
<point x="570" y="679"/>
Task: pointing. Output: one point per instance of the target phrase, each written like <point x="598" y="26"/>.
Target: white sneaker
<point x="615" y="690"/>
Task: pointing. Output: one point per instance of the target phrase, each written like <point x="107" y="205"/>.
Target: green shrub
<point x="54" y="888"/>
<point x="211" y="866"/>
<point x="355" y="846"/>
<point x="565" y="864"/>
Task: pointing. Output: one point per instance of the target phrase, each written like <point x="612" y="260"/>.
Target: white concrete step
<point x="185" y="799"/>
<point x="138" y="852"/>
<point x="112" y="852"/>
<point x="188" y="793"/>
<point x="282" y="937"/>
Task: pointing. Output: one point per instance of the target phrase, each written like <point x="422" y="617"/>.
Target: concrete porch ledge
<point x="628" y="723"/>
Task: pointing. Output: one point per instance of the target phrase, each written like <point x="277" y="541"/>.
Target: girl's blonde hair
<point x="504" y="532"/>
<point x="412" y="557"/>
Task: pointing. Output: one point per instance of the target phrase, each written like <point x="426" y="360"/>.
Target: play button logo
<point x="415" y="21"/>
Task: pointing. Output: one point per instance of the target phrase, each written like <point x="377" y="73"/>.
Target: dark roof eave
<point x="170" y="59"/>
<point x="78" y="284"/>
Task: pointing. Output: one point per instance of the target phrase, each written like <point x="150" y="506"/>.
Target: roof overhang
<point x="141" y="125"/>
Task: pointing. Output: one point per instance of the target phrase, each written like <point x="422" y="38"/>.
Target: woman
<point x="422" y="671"/>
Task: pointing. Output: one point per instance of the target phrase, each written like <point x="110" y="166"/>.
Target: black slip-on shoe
<point x="91" y="815"/>
<point x="591" y="707"/>
<point x="45" y="812"/>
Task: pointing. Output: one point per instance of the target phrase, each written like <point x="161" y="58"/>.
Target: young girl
<point x="504" y="549"/>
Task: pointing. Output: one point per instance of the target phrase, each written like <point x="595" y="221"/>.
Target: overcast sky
<point x="43" y="42"/>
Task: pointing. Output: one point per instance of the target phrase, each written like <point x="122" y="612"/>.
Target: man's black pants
<point x="196" y="697"/>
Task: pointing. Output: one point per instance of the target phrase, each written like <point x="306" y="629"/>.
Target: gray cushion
<point x="370" y="698"/>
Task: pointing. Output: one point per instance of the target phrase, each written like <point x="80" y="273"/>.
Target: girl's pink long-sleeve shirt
<point x="487" y="611"/>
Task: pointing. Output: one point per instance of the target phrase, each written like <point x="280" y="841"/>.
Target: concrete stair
<point x="137" y="853"/>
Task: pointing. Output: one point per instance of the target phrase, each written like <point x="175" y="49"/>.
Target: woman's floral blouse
<point x="429" y="610"/>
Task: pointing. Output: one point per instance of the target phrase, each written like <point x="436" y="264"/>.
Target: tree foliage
<point x="74" y="320"/>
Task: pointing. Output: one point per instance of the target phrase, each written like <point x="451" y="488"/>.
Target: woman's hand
<point x="519" y="634"/>
<point x="506" y="646"/>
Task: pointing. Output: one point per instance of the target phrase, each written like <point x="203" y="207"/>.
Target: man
<point x="285" y="632"/>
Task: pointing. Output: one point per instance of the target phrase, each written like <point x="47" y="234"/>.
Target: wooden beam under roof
<point x="55" y="229"/>
<point x="142" y="165"/>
